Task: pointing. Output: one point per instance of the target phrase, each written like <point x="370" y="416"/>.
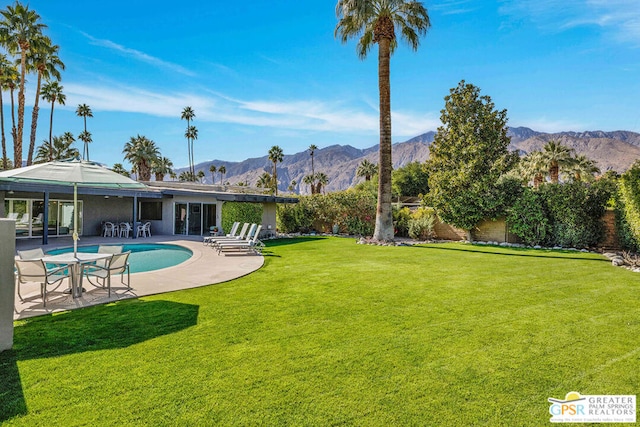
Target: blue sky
<point x="260" y="73"/>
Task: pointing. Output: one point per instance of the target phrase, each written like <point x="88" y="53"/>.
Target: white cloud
<point x="454" y="7"/>
<point x="619" y="18"/>
<point x="138" y="55"/>
<point x="285" y="115"/>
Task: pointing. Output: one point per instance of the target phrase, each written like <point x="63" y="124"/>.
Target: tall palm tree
<point x="18" y="28"/>
<point x="11" y="83"/>
<point x="141" y="152"/>
<point x="191" y="133"/>
<point x="8" y="73"/>
<point x="371" y="22"/>
<point x="160" y="167"/>
<point x="60" y="149"/>
<point x="309" y="180"/>
<point x="213" y="170"/>
<point x="188" y="114"/>
<point x="276" y="156"/>
<point x="312" y="150"/>
<point x="44" y="61"/>
<point x="84" y="111"/>
<point x="201" y="176"/>
<point x="557" y="156"/>
<point x="366" y="169"/>
<point x="222" y="170"/>
<point x="52" y="92"/>
<point x="582" y="169"/>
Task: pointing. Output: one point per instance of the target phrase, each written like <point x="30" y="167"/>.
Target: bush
<point x="401" y="218"/>
<point x="527" y="218"/>
<point x="421" y="224"/>
<point x="628" y="208"/>
<point x="240" y="211"/>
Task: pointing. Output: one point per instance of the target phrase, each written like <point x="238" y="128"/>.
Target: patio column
<point x="135" y="215"/>
<point x="45" y="220"/>
<point x="7" y="282"/>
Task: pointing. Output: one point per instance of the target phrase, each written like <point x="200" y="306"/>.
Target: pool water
<point x="144" y="256"/>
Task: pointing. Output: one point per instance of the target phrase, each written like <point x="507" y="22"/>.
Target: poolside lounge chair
<point x="209" y="239"/>
<point x="213" y="239"/>
<point x="117" y="264"/>
<point x="242" y="236"/>
<point x="252" y="244"/>
<point x="38" y="219"/>
<point x="35" y="270"/>
<point x="24" y="220"/>
<point x="13" y="215"/>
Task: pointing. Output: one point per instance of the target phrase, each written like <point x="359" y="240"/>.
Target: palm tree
<point x="366" y="169"/>
<point x="265" y="181"/>
<point x="188" y="114"/>
<point x="309" y="180"/>
<point x="44" y="61"/>
<point x="292" y="186"/>
<point x="8" y="73"/>
<point x="84" y="111"/>
<point x="160" y="167"/>
<point x="201" y="176"/>
<point x="534" y="167"/>
<point x="18" y="28"/>
<point x="191" y="133"/>
<point x="322" y="180"/>
<point x="376" y="21"/>
<point x="213" y="170"/>
<point x="557" y="156"/>
<point x="60" y="149"/>
<point x="186" y="176"/>
<point x="583" y="168"/>
<point x="118" y="168"/>
<point x="11" y="83"/>
<point x="222" y="170"/>
<point x="312" y="150"/>
<point x="141" y="152"/>
<point x="52" y="92"/>
<point x="276" y="156"/>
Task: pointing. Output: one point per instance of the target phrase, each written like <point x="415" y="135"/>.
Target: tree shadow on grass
<point x="521" y="252"/>
<point x="109" y="326"/>
<point x="291" y="241"/>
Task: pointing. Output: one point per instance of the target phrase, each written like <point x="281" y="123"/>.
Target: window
<point x="151" y="211"/>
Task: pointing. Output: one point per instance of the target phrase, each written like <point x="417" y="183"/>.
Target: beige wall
<point x="7" y="282"/>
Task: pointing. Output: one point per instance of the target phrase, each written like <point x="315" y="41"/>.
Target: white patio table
<point x="76" y="265"/>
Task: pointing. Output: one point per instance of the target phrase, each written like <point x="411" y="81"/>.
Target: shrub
<point x="240" y="211"/>
<point x="527" y="218"/>
<point x="421" y="224"/>
<point x="401" y="218"/>
<point x="628" y="208"/>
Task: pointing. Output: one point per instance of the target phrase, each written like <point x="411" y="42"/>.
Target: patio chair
<point x="35" y="270"/>
<point x="144" y="230"/>
<point x="117" y="264"/>
<point x="24" y="220"/>
<point x="36" y="253"/>
<point x="243" y="235"/>
<point x="210" y="239"/>
<point x="250" y="244"/>
<point x="125" y="229"/>
<point x="13" y="215"/>
<point x="109" y="229"/>
<point x="38" y="220"/>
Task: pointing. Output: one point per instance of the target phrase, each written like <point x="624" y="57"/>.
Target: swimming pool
<point x="144" y="256"/>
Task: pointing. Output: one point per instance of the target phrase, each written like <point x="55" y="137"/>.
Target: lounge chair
<point x="35" y="270"/>
<point x="24" y="220"/>
<point x="240" y="237"/>
<point x="13" y="215"/>
<point x="209" y="239"/>
<point x="243" y="233"/>
<point x="252" y="244"/>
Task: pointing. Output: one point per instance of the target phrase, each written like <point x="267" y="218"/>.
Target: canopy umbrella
<point x="74" y="172"/>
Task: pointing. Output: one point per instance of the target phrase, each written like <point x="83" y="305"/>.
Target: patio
<point x="205" y="267"/>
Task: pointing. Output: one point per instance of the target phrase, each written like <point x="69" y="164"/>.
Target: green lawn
<point x="330" y="332"/>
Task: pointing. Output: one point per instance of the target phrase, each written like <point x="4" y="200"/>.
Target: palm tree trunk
<point x="51" y="131"/>
<point x="4" y="140"/>
<point x="14" y="134"/>
<point x="17" y="146"/>
<point x="34" y="121"/>
<point x="554" y="171"/>
<point x="275" y="178"/>
<point x="384" y="219"/>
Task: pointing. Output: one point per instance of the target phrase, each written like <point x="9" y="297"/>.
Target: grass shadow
<point x="520" y="252"/>
<point x="291" y="240"/>
<point x="109" y="326"/>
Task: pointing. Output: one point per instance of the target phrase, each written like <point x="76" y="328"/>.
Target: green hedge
<point x="628" y="208"/>
<point x="240" y="211"/>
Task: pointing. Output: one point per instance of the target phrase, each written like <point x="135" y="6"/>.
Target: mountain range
<point x="611" y="150"/>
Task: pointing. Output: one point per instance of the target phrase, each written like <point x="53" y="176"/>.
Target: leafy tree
<point x="411" y="180"/>
<point x="52" y="92"/>
<point x="371" y="22"/>
<point x="84" y="111"/>
<point x="43" y="59"/>
<point x="366" y="169"/>
<point x="467" y="158"/>
<point x="141" y="152"/>
<point x="19" y="27"/>
<point x="213" y="170"/>
<point x="276" y="156"/>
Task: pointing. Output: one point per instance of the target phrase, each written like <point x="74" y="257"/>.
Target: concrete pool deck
<point x="205" y="267"/>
